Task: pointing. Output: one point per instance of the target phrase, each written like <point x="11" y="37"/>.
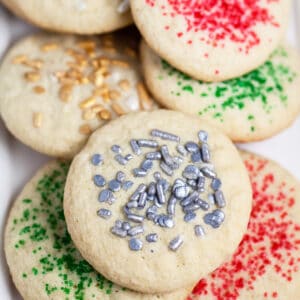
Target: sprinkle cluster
<point x="271" y="244"/>
<point x="222" y="20"/>
<point x="42" y="224"/>
<point x="270" y="79"/>
<point x="96" y="65"/>
<point x="158" y="201"/>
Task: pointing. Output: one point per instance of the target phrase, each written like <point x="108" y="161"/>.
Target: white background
<point x="18" y="163"/>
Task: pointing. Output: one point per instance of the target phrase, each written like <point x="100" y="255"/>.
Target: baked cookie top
<point x="42" y="258"/>
<point x="267" y="262"/>
<point x="74" y="16"/>
<point x="56" y="89"/>
<point x="254" y="106"/>
<point x="162" y="195"/>
<point x="212" y="40"/>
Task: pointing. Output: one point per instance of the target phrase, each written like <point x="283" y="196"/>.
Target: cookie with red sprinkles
<point x="212" y="40"/>
<point x="267" y="263"/>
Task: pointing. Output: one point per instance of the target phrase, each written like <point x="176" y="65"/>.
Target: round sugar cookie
<point x="41" y="256"/>
<point x="252" y="107"/>
<point x="56" y="89"/>
<point x="162" y="195"/>
<point x="212" y="40"/>
<point x="74" y="16"/>
<point x="266" y="264"/>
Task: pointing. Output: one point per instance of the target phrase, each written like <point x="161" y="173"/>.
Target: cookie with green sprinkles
<point x="252" y="107"/>
<point x="41" y="256"/>
<point x="162" y="195"/>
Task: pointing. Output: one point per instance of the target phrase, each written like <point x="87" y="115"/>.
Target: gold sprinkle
<point x="124" y="85"/>
<point x="36" y="64"/>
<point x="118" y="109"/>
<point x="97" y="108"/>
<point x="99" y="78"/>
<point x="84" y="80"/>
<point x="39" y="89"/>
<point x="85" y="129"/>
<point x="49" y="47"/>
<point x="114" y="95"/>
<point x="37" y="120"/>
<point x="65" y="92"/>
<point x="120" y="63"/>
<point x="32" y="76"/>
<point x="105" y="114"/>
<point x="104" y="62"/>
<point x="88" y="114"/>
<point x="87" y="45"/>
<point x="20" y="59"/>
<point x="87" y="103"/>
<point x="145" y="100"/>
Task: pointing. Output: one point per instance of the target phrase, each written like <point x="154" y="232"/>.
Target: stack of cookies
<point x="143" y="202"/>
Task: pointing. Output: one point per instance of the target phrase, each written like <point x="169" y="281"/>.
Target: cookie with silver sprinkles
<point x="43" y="261"/>
<point x="77" y="16"/>
<point x="163" y="196"/>
<point x="212" y="40"/>
<point x="266" y="264"/>
<point x="252" y="107"/>
<point x="55" y="90"/>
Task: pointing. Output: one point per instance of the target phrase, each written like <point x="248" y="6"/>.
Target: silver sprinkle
<point x="114" y="185"/>
<point x="140" y="189"/>
<point x="191" y="172"/>
<point x="118" y="232"/>
<point x="160" y="193"/>
<point x="171" y="205"/>
<point x="104" y="213"/>
<point x="205" y="153"/>
<point x="175" y="243"/>
<point x="112" y="199"/>
<point x="137" y="172"/>
<point x="215" y="219"/>
<point x="201" y="184"/>
<point x="191" y="207"/>
<point x="104" y="195"/>
<point x="126" y="226"/>
<point x="129" y="157"/>
<point x="199" y="230"/>
<point x="181" y="150"/>
<point x="188" y="217"/>
<point x="211" y="199"/>
<point x="168" y="222"/>
<point x="153" y="155"/>
<point x="189" y="199"/>
<point x="118" y="224"/>
<point x="203" y="204"/>
<point x="156" y="202"/>
<point x="147" y="143"/>
<point x="142" y="200"/>
<point x="121" y="176"/>
<point x="97" y="159"/>
<point x="219" y="199"/>
<point x="135" y="147"/>
<point x="207" y="172"/>
<point x="135" y="244"/>
<point x="135" y="218"/>
<point x="157" y="176"/>
<point x="147" y="165"/>
<point x="166" y="169"/>
<point x="180" y="189"/>
<point x="196" y="157"/>
<point x="165" y="135"/>
<point x="192" y="183"/>
<point x="151" y="216"/>
<point x="127" y="185"/>
<point x="203" y="136"/>
<point x="116" y="149"/>
<point x="133" y="231"/>
<point x="121" y="160"/>
<point x="166" y="156"/>
<point x="192" y="147"/>
<point x="161" y="221"/>
<point x="99" y="180"/>
<point x="151" y="189"/>
<point x="152" y="209"/>
<point x="216" y="184"/>
<point x="132" y="204"/>
<point x="152" y="237"/>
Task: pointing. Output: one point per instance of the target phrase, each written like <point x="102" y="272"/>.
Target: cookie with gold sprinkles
<point x="41" y="256"/>
<point x="252" y="107"/>
<point x="76" y="16"/>
<point x="212" y="40"/>
<point x="162" y="195"/>
<point x="55" y="90"/>
<point x="266" y="264"/>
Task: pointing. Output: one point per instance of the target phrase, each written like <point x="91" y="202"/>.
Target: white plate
<point x="18" y="163"/>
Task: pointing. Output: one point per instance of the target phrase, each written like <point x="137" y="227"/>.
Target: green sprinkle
<point x="27" y="201"/>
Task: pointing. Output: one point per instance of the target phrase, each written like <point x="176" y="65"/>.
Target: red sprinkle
<point x="221" y="19"/>
<point x="271" y="243"/>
